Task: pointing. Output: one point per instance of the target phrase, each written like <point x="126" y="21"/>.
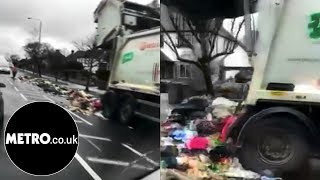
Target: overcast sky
<point x="64" y="21"/>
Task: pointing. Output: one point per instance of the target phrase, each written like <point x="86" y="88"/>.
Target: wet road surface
<point x="107" y="149"/>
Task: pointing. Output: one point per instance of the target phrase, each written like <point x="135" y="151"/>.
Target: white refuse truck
<point x="134" y="83"/>
<point x="280" y="128"/>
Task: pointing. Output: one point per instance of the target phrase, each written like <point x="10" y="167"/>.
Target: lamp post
<point x="40" y="28"/>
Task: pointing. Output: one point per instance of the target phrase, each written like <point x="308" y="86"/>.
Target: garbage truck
<point x="278" y="128"/>
<point x="134" y="82"/>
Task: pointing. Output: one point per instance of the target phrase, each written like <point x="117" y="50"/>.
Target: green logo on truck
<point x="127" y="57"/>
<point x="314" y="26"/>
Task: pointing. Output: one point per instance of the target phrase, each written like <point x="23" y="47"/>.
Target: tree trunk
<point x="89" y="76"/>
<point x="33" y="69"/>
<point x="39" y="70"/>
<point x="205" y="69"/>
<point x="88" y="82"/>
<point x="67" y="76"/>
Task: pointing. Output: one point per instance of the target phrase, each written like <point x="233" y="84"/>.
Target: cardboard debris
<point x="83" y="102"/>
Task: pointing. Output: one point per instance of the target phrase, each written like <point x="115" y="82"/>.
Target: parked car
<point x="4" y="69"/>
<point x="1" y="110"/>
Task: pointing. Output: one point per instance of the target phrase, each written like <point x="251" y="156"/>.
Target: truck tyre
<point x="269" y="147"/>
<point x="127" y="109"/>
<point x="110" y="103"/>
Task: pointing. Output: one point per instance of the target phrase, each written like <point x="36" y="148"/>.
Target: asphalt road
<point x="107" y="150"/>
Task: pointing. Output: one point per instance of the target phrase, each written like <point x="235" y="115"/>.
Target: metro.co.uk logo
<point x="41" y="138"/>
<point x="36" y="138"/>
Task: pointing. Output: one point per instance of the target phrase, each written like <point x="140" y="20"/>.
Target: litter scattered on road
<point x="80" y="101"/>
<point x="194" y="144"/>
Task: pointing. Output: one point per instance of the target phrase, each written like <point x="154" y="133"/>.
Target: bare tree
<point x="37" y="53"/>
<point x="207" y="34"/>
<point x="92" y="56"/>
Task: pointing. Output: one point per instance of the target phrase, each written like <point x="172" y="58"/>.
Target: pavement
<point x="106" y="148"/>
<point x="165" y="106"/>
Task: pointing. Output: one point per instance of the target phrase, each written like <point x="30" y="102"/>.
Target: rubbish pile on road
<point x="83" y="102"/>
<point x="46" y="86"/>
<point x="79" y="100"/>
<point x="194" y="143"/>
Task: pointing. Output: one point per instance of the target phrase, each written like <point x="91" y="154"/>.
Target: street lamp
<point x="30" y="18"/>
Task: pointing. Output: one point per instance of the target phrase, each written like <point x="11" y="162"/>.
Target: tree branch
<point x="230" y="37"/>
<point x="232" y="27"/>
<point x="180" y="35"/>
<point x="174" y="48"/>
<point x="189" y="62"/>
<point x="169" y="45"/>
<point x="219" y="54"/>
<point x="237" y="35"/>
<point x="189" y="22"/>
<point x="171" y="41"/>
<point x="220" y="22"/>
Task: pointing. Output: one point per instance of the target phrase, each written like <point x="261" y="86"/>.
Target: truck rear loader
<point x="134" y="83"/>
<point x="279" y="129"/>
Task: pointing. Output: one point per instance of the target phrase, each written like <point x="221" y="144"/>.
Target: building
<point x="172" y="70"/>
<point x="85" y="59"/>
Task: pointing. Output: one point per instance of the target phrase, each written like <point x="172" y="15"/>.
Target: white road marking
<point x="10" y="82"/>
<point x="71" y="112"/>
<point x="79" y="117"/>
<point x="99" y="114"/>
<point x="95" y="137"/>
<point x="16" y="89"/>
<point x="140" y="154"/>
<point x="36" y="99"/>
<point x="93" y="174"/>
<point x="48" y="98"/>
<point x="78" y="121"/>
<point x="31" y="94"/>
<point x="130" y="127"/>
<point x="23" y="97"/>
<point x="28" y="93"/>
<point x="93" y="144"/>
<point x="118" y="163"/>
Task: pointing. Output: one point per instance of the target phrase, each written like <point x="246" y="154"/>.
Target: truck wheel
<point x="127" y="110"/>
<point x="109" y="105"/>
<point x="274" y="148"/>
